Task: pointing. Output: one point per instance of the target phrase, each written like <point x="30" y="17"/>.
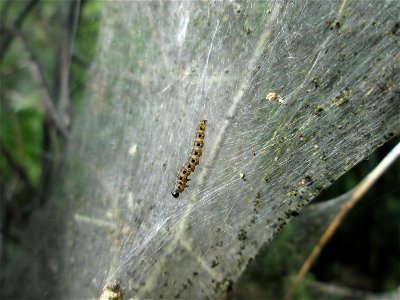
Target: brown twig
<point x="355" y="195"/>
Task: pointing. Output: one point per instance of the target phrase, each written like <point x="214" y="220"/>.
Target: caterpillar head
<point x="175" y="193"/>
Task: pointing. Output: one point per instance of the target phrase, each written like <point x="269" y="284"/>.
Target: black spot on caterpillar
<point x="193" y="161"/>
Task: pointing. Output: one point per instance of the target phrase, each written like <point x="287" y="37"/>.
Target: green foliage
<point x="25" y="132"/>
<point x="21" y="129"/>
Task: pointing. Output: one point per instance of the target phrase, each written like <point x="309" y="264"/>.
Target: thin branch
<point x="47" y="102"/>
<point x="7" y="34"/>
<point x="355" y="196"/>
<point x="337" y="291"/>
<point x="64" y="62"/>
<point x="79" y="61"/>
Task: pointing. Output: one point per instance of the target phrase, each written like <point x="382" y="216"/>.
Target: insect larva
<point x="193" y="161"/>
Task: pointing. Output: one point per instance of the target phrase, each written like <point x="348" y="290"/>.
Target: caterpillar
<point x="193" y="161"/>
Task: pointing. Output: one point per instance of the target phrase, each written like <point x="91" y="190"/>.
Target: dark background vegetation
<point x="59" y="38"/>
<point x="363" y="255"/>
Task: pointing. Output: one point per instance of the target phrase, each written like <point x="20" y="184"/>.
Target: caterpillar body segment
<point x="198" y="143"/>
<point x="197" y="151"/>
<point x="193" y="161"/>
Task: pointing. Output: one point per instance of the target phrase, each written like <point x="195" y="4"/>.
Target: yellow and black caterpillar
<point x="182" y="177"/>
